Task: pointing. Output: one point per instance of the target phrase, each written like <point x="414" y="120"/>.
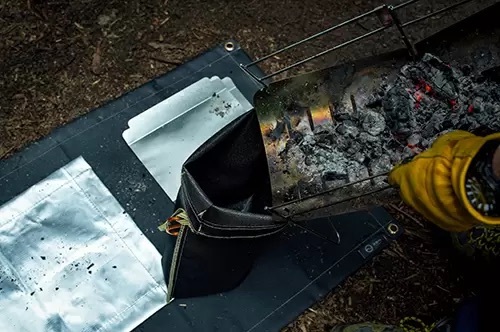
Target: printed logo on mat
<point x="372" y="245"/>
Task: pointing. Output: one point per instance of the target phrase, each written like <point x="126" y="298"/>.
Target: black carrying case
<point x="224" y="190"/>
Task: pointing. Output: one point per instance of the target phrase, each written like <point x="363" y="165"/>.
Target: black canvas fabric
<point x="225" y="184"/>
<point x="206" y="265"/>
<point x="225" y="188"/>
<point x="231" y="168"/>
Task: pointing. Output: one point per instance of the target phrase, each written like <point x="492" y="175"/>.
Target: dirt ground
<point x="60" y="59"/>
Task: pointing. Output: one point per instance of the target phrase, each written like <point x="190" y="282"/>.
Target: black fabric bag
<point x="224" y="190"/>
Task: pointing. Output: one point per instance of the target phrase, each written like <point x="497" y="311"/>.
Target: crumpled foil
<point x="71" y="259"/>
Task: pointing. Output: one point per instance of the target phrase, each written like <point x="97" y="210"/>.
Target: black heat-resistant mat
<point x="297" y="269"/>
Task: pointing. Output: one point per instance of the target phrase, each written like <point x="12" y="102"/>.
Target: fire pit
<point x="330" y="134"/>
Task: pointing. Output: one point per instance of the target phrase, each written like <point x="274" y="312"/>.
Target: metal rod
<point x="319" y="34"/>
<point x="404" y="4"/>
<point x="325" y="52"/>
<point x="278" y="214"/>
<point x="341" y="201"/>
<point x="252" y="75"/>
<point x="409" y="45"/>
<point x="435" y="13"/>
<point x="399" y="25"/>
<point x="298" y="200"/>
<point x="321" y="236"/>
<point x="293" y="222"/>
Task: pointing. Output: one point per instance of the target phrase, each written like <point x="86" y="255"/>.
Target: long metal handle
<point x="317" y="207"/>
<point x="319" y="34"/>
<point x="275" y="209"/>
<point x="395" y="21"/>
<point x="326" y="192"/>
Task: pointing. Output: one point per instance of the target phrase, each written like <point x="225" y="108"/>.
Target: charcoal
<point x="367" y="138"/>
<point x="408" y="153"/>
<point x="334" y="176"/>
<point x="359" y="157"/>
<point x="394" y="156"/>
<point x="414" y="139"/>
<point x="324" y="139"/>
<point x="373" y="123"/>
<point x="477" y="104"/>
<point x="354" y="147"/>
<point x="334" y="164"/>
<point x="375" y="151"/>
<point x="466" y="69"/>
<point x="356" y="171"/>
<point x="309" y="140"/>
<point x="380" y="165"/>
<point x="348" y="130"/>
<point x="375" y="100"/>
<point x="404" y="131"/>
<point x="399" y="119"/>
<point x="433" y="126"/>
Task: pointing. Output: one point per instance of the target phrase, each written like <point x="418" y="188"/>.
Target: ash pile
<point x="401" y="119"/>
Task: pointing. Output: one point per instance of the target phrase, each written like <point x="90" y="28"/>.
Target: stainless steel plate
<point x="164" y="136"/>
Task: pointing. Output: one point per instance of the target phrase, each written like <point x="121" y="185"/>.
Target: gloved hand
<point x="433" y="182"/>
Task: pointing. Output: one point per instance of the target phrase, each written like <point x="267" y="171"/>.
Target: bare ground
<point x="61" y="58"/>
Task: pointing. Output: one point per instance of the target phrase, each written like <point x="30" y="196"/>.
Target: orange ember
<point x="421" y="88"/>
<point x="453" y="104"/>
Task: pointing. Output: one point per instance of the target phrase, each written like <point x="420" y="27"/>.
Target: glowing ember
<point x="421" y="88"/>
<point x="453" y="104"/>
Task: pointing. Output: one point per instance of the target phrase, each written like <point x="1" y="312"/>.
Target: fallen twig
<point x="167" y="61"/>
<point x="406" y="214"/>
<point x="443" y="289"/>
<point x="410" y="277"/>
<point x="411" y="233"/>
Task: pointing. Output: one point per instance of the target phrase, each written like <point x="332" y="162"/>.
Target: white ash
<point x="404" y="117"/>
<point x="373" y="123"/>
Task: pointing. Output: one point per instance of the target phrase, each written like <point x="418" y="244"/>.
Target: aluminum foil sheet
<point x="71" y="259"/>
<point x="164" y="136"/>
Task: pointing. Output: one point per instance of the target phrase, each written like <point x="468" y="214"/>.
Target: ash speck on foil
<point x="314" y="142"/>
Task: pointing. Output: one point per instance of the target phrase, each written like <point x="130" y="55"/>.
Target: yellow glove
<point x="433" y="183"/>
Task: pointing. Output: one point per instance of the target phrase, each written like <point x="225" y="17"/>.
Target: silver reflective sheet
<point x="164" y="136"/>
<point x="71" y="259"/>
